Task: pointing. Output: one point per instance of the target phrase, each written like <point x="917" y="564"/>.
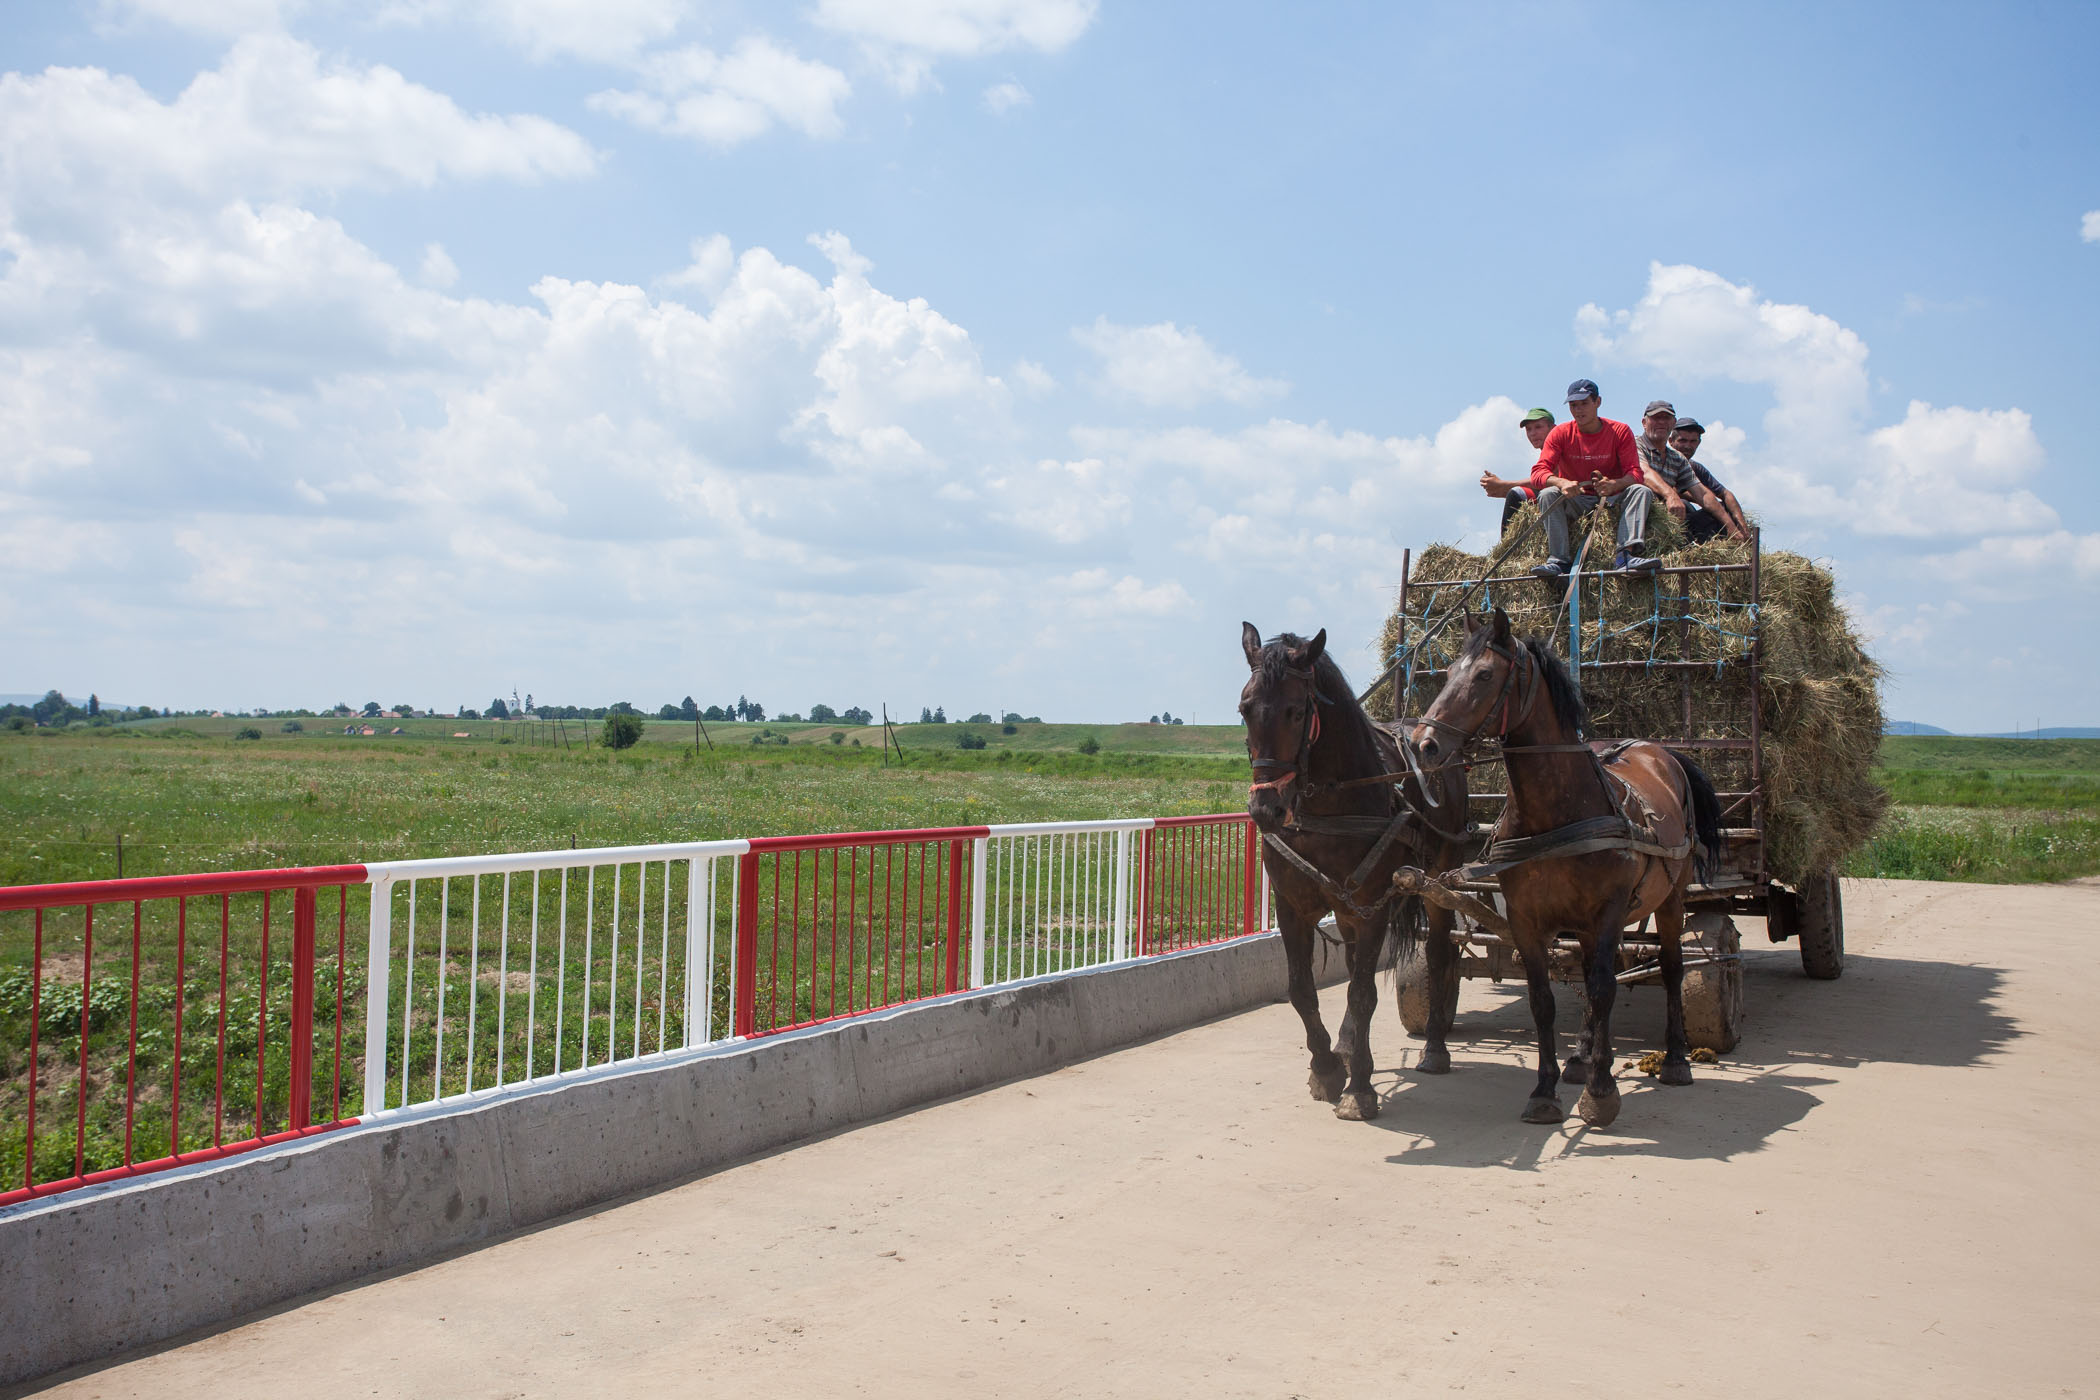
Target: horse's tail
<point x="1706" y="813"/>
<point x="1404" y="928"/>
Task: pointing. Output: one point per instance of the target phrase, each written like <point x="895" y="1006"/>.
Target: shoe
<point x="1552" y="571"/>
<point x="1636" y="564"/>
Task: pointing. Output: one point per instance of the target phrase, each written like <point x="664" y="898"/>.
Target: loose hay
<point x="1821" y="703"/>
<point x="1652" y="1062"/>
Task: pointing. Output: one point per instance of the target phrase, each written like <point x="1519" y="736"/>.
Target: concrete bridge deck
<point x="1881" y="1191"/>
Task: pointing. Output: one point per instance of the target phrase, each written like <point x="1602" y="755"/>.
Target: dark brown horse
<point x="1594" y="837"/>
<point x="1335" y="827"/>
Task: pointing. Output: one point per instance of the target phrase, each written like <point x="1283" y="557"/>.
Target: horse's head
<point x="1480" y="693"/>
<point x="1280" y="706"/>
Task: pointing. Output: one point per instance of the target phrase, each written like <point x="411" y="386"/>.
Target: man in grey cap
<point x="1513" y="494"/>
<point x="1669" y="473"/>
<point x="1705" y="524"/>
<point x="1586" y="460"/>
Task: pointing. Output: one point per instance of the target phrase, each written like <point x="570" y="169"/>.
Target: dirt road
<point x="1885" y="1190"/>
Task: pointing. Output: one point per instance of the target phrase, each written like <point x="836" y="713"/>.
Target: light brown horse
<point x="1594" y="836"/>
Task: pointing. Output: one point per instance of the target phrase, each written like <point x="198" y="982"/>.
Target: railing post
<point x="699" y="881"/>
<point x="379" y="958"/>
<point x="1250" y="884"/>
<point x="953" y="972"/>
<point x="744" y="992"/>
<point x="300" y="1108"/>
<point x="1121" y="927"/>
<point x="1144" y="917"/>
<point x="980" y="857"/>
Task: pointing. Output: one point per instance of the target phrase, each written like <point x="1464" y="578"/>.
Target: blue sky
<point x="1003" y="353"/>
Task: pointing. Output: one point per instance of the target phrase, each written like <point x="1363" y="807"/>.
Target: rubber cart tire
<point x="1822" y="928"/>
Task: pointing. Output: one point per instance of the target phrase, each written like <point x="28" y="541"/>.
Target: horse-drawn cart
<point x="1678" y="657"/>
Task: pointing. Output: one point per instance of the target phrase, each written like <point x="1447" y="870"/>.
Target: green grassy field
<point x="1994" y="810"/>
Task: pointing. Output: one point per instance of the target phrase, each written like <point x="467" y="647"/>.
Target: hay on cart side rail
<point x="1821" y="701"/>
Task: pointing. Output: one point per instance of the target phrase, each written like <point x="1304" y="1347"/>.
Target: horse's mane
<point x="1562" y="691"/>
<point x="1561" y="688"/>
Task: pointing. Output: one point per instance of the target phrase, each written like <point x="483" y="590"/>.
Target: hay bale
<point x="1820" y="690"/>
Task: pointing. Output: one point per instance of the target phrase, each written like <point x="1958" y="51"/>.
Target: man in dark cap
<point x="1536" y="424"/>
<point x="1669" y="474"/>
<point x="1705" y="524"/>
<point x="1589" y="459"/>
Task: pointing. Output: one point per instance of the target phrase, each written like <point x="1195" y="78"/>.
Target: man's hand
<point x="1674" y="503"/>
<point x="1605" y="487"/>
<point x="1495" y="485"/>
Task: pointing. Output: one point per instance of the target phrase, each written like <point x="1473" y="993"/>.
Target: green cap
<point x="1537" y="415"/>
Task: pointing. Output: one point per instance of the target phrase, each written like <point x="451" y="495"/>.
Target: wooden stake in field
<point x="889" y="737"/>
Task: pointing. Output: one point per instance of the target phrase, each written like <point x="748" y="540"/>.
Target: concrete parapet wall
<point x="110" y="1268"/>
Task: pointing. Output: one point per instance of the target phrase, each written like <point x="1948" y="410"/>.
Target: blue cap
<point x="1583" y="389"/>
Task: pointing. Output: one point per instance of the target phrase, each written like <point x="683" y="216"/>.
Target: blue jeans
<point x="1629" y="510"/>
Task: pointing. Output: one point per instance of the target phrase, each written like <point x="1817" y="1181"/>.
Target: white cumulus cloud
<point x="1167" y="367"/>
<point x="2089" y="227"/>
<point x="1942" y="470"/>
<point x="723" y="99"/>
<point x="602" y="31"/>
<point x="1001" y="98"/>
<point x="271" y="120"/>
<point x="907" y="37"/>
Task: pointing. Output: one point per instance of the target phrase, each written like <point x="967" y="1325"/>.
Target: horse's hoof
<point x="1543" y="1111"/>
<point x="1677" y="1072"/>
<point x="1434" y="1060"/>
<point x="1327" y="1088"/>
<point x="1359" y="1107"/>
<point x="1575" y="1071"/>
<point x="1598" y="1112"/>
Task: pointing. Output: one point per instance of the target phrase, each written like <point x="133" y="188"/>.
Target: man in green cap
<point x="1536" y="424"/>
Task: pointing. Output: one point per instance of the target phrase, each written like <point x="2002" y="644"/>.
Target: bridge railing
<point x="163" y="1021"/>
<point x="170" y="1020"/>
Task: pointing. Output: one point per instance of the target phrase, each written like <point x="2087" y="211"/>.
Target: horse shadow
<point x="1799" y="1038"/>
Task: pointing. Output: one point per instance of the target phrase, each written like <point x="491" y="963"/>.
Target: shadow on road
<point x="1799" y="1037"/>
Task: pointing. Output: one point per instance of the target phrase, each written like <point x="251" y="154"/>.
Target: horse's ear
<point x="1502" y="626"/>
<point x="1250" y="642"/>
<point x="1472" y="625"/>
<point x="1314" y="647"/>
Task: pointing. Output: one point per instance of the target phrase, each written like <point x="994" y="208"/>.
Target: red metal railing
<point x="124" y="1091"/>
<point x="1201" y="880"/>
<point x="830" y="926"/>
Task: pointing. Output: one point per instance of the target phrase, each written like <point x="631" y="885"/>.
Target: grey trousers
<point x="1629" y="511"/>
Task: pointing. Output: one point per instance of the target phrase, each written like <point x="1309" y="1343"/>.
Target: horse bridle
<point x="1308" y="735"/>
<point x="1521" y="667"/>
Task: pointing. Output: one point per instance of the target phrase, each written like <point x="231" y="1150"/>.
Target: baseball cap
<point x="1583" y="389"/>
<point x="1537" y="415"/>
<point x="1691" y="425"/>
<point x="1656" y="406"/>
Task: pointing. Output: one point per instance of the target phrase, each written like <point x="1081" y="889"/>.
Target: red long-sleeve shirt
<point x="1579" y="456"/>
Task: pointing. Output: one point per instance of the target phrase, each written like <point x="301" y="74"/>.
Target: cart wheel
<point x="1782" y="914"/>
<point x="1713" y="994"/>
<point x="1411" y="974"/>
<point x="1822" y="930"/>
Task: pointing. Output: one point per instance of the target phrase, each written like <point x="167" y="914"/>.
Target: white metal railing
<point x="560" y="924"/>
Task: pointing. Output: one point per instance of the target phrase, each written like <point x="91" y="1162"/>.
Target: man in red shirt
<point x="1589" y="459"/>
